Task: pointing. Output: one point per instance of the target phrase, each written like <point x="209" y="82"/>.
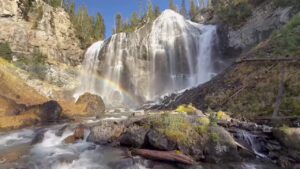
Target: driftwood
<point x="171" y="156"/>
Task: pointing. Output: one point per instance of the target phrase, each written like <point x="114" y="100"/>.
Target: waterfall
<point x="250" y="140"/>
<point x="166" y="56"/>
<point x="89" y="76"/>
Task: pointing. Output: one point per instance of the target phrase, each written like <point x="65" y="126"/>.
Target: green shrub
<point x="5" y="51"/>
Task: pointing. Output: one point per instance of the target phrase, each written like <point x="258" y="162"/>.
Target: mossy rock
<point x="290" y="137"/>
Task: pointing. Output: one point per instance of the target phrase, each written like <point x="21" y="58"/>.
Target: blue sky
<point x="109" y="8"/>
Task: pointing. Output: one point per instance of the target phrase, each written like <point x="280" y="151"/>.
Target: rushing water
<point x="53" y="153"/>
<point x="160" y="58"/>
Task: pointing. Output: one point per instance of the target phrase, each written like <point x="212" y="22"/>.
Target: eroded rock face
<point x="265" y="19"/>
<point x="53" y="34"/>
<point x="93" y="104"/>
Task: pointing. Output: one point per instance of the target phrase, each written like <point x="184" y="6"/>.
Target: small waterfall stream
<point x="251" y="142"/>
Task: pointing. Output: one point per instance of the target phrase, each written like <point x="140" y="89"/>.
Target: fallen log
<point x="171" y="156"/>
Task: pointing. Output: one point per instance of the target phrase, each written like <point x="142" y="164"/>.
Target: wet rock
<point x="134" y="136"/>
<point x="93" y="104"/>
<point x="77" y="136"/>
<point x="290" y="137"/>
<point x="50" y="112"/>
<point x="221" y="146"/>
<point x="60" y="132"/>
<point x="285" y="162"/>
<point x="79" y="132"/>
<point x="160" y="141"/>
<point x="106" y="132"/>
<point x="39" y="136"/>
<point x="70" y="140"/>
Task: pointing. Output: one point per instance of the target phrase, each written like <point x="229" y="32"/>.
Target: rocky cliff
<point x="34" y="25"/>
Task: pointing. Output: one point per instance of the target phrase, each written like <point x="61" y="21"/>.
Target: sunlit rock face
<point x="163" y="57"/>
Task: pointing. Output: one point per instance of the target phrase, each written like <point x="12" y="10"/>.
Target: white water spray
<point x="166" y="56"/>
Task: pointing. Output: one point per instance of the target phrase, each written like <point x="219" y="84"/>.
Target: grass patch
<point x="16" y="122"/>
<point x="176" y="128"/>
<point x="5" y="51"/>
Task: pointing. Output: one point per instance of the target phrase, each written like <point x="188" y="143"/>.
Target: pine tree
<point x="99" y="28"/>
<point x="210" y="4"/>
<point x="183" y="11"/>
<point x="157" y="11"/>
<point x="119" y="23"/>
<point x="172" y="5"/>
<point x="202" y="4"/>
<point x="150" y="12"/>
<point x="134" y="21"/>
<point x="193" y="9"/>
<point x="84" y="26"/>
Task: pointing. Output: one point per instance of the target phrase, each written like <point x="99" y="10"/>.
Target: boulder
<point x="106" y="132"/>
<point x="79" y="132"/>
<point x="160" y="141"/>
<point x="134" y="136"/>
<point x="78" y="135"/>
<point x="39" y="136"/>
<point x="50" y="112"/>
<point x="290" y="137"/>
<point x="221" y="146"/>
<point x="93" y="104"/>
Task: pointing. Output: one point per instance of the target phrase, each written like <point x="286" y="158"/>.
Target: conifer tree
<point x="202" y="4"/>
<point x="157" y="11"/>
<point x="172" y="5"/>
<point x="134" y="21"/>
<point x="99" y="28"/>
<point x="183" y="11"/>
<point x="119" y="23"/>
<point x="150" y="12"/>
<point x="193" y="9"/>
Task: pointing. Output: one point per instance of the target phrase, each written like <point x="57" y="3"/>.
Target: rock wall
<point x="52" y="32"/>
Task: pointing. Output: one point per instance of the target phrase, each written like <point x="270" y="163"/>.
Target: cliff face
<point x="265" y="19"/>
<point x="30" y="25"/>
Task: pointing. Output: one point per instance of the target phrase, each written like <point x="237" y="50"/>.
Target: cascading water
<point x="166" y="56"/>
<point x="250" y="140"/>
<point x="89" y="77"/>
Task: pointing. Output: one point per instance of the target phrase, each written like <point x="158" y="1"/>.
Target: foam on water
<point x="19" y="137"/>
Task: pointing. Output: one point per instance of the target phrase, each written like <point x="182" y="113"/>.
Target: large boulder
<point x="134" y="136"/>
<point x="221" y="146"/>
<point x="290" y="137"/>
<point x="50" y="112"/>
<point x="106" y="132"/>
<point x="159" y="141"/>
<point x="93" y="104"/>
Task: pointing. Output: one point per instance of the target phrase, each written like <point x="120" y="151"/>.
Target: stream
<point x="17" y="152"/>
